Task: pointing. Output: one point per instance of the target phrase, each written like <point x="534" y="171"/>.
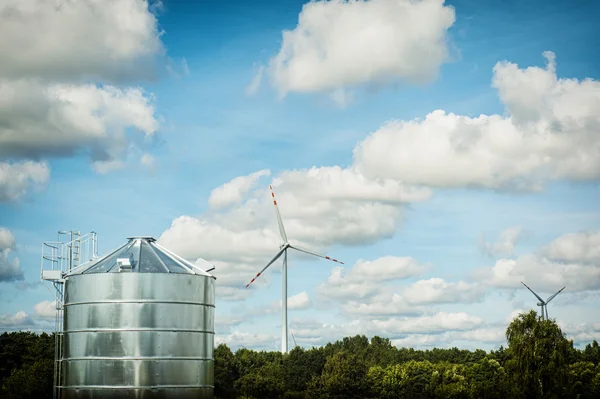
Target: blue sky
<point x="200" y="127"/>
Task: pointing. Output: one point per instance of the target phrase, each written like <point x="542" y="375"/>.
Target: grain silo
<point x="138" y="323"/>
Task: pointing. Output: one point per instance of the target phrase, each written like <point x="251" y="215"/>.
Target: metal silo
<point x="138" y="323"/>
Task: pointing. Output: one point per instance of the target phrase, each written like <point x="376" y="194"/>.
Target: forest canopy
<point x="538" y="362"/>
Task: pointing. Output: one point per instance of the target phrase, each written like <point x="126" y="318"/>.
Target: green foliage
<point x="300" y="367"/>
<point x="539" y="362"/>
<point x="539" y="355"/>
<point x="26" y="365"/>
<point x="265" y="381"/>
<point x="30" y="381"/>
<point x="344" y="376"/>
<point x="226" y="372"/>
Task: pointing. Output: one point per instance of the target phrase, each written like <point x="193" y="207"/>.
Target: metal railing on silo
<point x="70" y="250"/>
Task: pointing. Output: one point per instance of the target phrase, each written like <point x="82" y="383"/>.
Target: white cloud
<point x="549" y="132"/>
<point x="575" y="247"/>
<point x="383" y="304"/>
<point x="192" y="238"/>
<point x="437" y="291"/>
<point x="65" y="119"/>
<point x="45" y="309"/>
<point x="582" y="333"/>
<point x="574" y="265"/>
<point x="438" y="322"/>
<point x="46" y="108"/>
<point x="254" y="85"/>
<point x="505" y="244"/>
<point x="339" y="44"/>
<point x="386" y="268"/>
<point x="367" y="278"/>
<point x="370" y="300"/>
<point x="320" y="207"/>
<point x="475" y="337"/>
<point x="67" y="40"/>
<point x="148" y="161"/>
<point x="238" y="339"/>
<point x="492" y="334"/>
<point x="514" y="314"/>
<point x="17" y="178"/>
<point x="234" y="191"/>
<point x="10" y="269"/>
<point x="225" y="323"/>
<point x="7" y="240"/>
<point x="298" y="302"/>
<point x="395" y="327"/>
<point x="19" y="319"/>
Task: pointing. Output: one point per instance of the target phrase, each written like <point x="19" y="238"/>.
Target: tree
<point x="30" y="381"/>
<point x="226" y="372"/>
<point x="488" y="380"/>
<point x="449" y="381"/>
<point x="344" y="376"/>
<point x="539" y="355"/>
<point x="263" y="382"/>
<point x="301" y="366"/>
<point x="581" y="381"/>
<point x="591" y="353"/>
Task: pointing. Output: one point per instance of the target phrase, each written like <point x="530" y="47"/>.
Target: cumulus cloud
<point x="370" y="300"/>
<point x="16" y="321"/>
<point x="298" y="302"/>
<point x="567" y="261"/>
<point x="10" y="269"/>
<point x="439" y="322"/>
<point x="438" y="291"/>
<point x="377" y="305"/>
<point x="581" y="333"/>
<point x="17" y="178"/>
<point x="58" y="98"/>
<point x="65" y="119"/>
<point x="575" y="247"/>
<point x="320" y="207"/>
<point x="239" y="339"/>
<point x="234" y="191"/>
<point x="45" y="309"/>
<point x="148" y="161"/>
<point x="366" y="278"/>
<point x="339" y="44"/>
<point x="225" y="323"/>
<point x="549" y="132"/>
<point x="91" y="39"/>
<point x="315" y="332"/>
<point x="505" y="243"/>
<point x="475" y="337"/>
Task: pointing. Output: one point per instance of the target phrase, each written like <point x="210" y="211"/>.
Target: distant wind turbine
<point x="283" y="251"/>
<point x="543" y="304"/>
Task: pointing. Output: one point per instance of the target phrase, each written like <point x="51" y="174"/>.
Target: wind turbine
<point x="543" y="304"/>
<point x="283" y="248"/>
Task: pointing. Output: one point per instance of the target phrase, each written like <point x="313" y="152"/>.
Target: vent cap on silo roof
<point x="140" y="255"/>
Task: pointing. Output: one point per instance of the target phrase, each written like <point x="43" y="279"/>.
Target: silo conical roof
<point x="140" y="255"/>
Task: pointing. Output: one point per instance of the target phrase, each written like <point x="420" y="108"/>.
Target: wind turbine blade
<point x="552" y="297"/>
<point x="279" y="221"/>
<point x="315" y="254"/>
<point x="268" y="264"/>
<point x="536" y="295"/>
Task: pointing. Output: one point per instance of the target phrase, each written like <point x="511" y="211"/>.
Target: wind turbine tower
<point x="283" y="248"/>
<point x="543" y="304"/>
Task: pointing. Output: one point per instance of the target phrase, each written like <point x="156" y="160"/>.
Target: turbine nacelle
<point x="540" y="304"/>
